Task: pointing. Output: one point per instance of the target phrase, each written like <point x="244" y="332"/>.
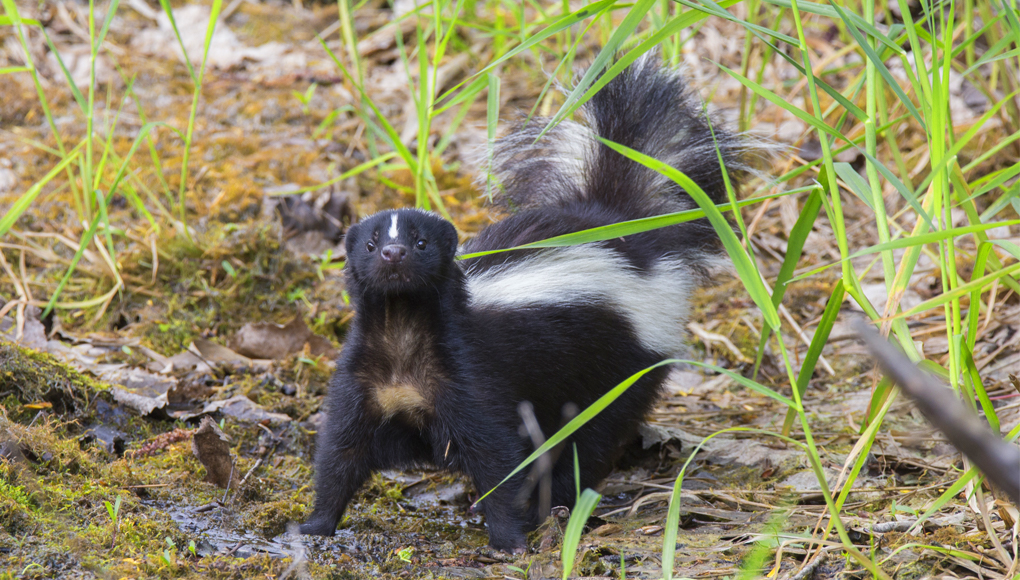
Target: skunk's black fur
<point x="441" y="352"/>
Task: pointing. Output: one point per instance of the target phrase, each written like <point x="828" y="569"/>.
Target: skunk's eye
<point x="370" y="246"/>
<point x="421" y="244"/>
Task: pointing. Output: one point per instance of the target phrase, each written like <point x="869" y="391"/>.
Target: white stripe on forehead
<point x="394" y="232"/>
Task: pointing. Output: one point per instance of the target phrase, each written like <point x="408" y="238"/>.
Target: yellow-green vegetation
<point x="31" y="381"/>
<point x="53" y="489"/>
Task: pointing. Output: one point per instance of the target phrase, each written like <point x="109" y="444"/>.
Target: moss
<point x="241" y="274"/>
<point x="15" y="508"/>
<point x="31" y="381"/>
<point x="270" y="519"/>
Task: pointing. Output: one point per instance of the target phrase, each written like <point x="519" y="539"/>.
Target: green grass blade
<point x="746" y="382"/>
<point x="959" y="291"/>
<point x="75" y="92"/>
<point x="891" y="44"/>
<point x="855" y="182"/>
<point x="349" y="173"/>
<point x="22" y="203"/>
<point x="879" y="65"/>
<point x="714" y="9"/>
<point x="818" y="342"/>
<point x="595" y="9"/>
<point x="669" y="533"/>
<point x="1000" y="204"/>
<point x="142" y="135"/>
<point x="14" y="19"/>
<point x="598" y="66"/>
<point x="948" y="495"/>
<point x="575" y="526"/>
<point x="910" y="242"/>
<point x="747" y="270"/>
<point x="466" y="94"/>
<point x="784" y="104"/>
<point x="111" y="11"/>
<point x="976" y="389"/>
<point x="795" y="243"/>
<point x="86" y="239"/>
<point x="578" y="421"/>
<point x="168" y="10"/>
<point x="672" y="27"/>
<point x="794" y="249"/>
<point x="392" y="136"/>
<point x="492" y="120"/>
<point x="622" y="229"/>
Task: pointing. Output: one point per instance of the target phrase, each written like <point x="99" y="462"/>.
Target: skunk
<point x="442" y="352"/>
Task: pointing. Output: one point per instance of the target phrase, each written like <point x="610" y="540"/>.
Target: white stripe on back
<point x="655" y="303"/>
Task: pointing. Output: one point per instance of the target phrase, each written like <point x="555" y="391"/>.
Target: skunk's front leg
<point x="343" y="456"/>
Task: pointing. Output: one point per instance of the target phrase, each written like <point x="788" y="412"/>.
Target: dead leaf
<point x="32" y="333"/>
<point x="203" y="354"/>
<point x="721" y="450"/>
<point x="239" y="407"/>
<point x="136" y="388"/>
<point x="212" y="447"/>
<point x="266" y="340"/>
<point x="225" y="50"/>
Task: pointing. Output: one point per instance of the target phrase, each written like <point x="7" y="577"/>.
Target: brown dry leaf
<point x="241" y="408"/>
<point x="721" y="450"/>
<point x="212" y="447"/>
<point x="265" y="340"/>
<point x="139" y="389"/>
<point x="202" y="354"/>
<point x="225" y="51"/>
<point x="33" y="333"/>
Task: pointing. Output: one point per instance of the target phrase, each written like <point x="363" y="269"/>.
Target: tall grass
<point x="85" y="167"/>
<point x="942" y="208"/>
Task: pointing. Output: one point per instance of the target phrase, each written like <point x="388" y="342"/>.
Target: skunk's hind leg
<point x="486" y="452"/>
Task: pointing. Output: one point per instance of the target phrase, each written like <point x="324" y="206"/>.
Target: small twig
<point x="147" y="485"/>
<point x="541" y="473"/>
<point x="207" y="507"/>
<point x="713" y="337"/>
<point x="996" y="458"/>
<point x="230" y="9"/>
<point x="896" y="526"/>
<point x="809" y="570"/>
<point x="229" y="479"/>
<point x="37" y="415"/>
<point x="990" y="530"/>
<point x="269" y="451"/>
<point x="231" y="551"/>
<point x="10" y="305"/>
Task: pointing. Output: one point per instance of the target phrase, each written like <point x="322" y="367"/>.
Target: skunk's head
<point x="401" y="251"/>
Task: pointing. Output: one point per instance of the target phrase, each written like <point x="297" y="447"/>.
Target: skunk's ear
<point x="448" y="237"/>
<point x="351" y="238"/>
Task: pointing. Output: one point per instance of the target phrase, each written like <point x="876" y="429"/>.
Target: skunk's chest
<point x="400" y="369"/>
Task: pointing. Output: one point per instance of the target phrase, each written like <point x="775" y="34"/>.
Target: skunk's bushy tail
<point x="648" y="108"/>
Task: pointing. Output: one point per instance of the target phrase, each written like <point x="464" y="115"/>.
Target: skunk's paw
<point x="504" y="555"/>
<point x="516" y="545"/>
<point x="318" y="526"/>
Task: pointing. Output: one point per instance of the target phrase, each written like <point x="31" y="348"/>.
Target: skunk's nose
<point x="394" y="253"/>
